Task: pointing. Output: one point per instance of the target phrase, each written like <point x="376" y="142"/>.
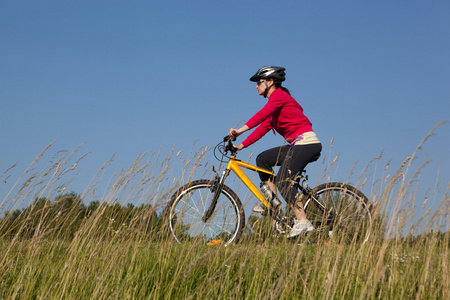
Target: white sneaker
<point x="298" y="228"/>
<point x="260" y="209"/>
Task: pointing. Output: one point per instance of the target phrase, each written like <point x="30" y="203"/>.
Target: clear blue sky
<point x="130" y="76"/>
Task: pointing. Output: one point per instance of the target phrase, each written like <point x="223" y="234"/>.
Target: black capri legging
<point x="292" y="161"/>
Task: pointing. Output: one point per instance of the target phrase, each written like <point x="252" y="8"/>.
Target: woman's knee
<point x="262" y="161"/>
<point x="259" y="160"/>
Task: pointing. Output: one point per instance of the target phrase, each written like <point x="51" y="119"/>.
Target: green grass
<point x="135" y="269"/>
<point x="106" y="250"/>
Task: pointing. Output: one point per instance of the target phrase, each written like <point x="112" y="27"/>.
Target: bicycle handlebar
<point x="230" y="147"/>
<point x="227" y="137"/>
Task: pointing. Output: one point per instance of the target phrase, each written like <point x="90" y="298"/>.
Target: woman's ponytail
<point x="278" y="86"/>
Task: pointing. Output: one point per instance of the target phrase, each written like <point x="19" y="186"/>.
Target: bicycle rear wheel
<point x="340" y="211"/>
<point x="187" y="206"/>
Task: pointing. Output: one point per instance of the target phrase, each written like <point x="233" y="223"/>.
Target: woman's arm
<point x="237" y="132"/>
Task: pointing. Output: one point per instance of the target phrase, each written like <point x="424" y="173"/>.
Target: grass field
<point x="62" y="249"/>
<point x="134" y="268"/>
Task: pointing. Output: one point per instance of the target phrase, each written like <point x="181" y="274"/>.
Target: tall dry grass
<point x="108" y="257"/>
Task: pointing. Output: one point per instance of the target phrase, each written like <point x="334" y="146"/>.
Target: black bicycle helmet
<point x="269" y="72"/>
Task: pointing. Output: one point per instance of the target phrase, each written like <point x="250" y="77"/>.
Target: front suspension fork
<point x="216" y="189"/>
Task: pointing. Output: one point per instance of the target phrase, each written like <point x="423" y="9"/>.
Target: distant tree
<point x="92" y="207"/>
<point x="66" y="215"/>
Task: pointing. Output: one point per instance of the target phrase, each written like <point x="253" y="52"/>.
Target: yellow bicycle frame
<point x="235" y="164"/>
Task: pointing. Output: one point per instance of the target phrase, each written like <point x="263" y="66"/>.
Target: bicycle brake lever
<point x="227" y="138"/>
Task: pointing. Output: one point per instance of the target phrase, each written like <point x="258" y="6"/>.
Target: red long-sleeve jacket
<point x="281" y="113"/>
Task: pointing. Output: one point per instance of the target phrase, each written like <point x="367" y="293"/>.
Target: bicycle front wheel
<point x="340" y="211"/>
<point x="186" y="208"/>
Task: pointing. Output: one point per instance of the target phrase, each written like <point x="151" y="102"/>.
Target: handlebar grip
<point x="227" y="138"/>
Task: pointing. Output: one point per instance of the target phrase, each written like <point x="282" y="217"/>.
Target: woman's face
<point x="262" y="85"/>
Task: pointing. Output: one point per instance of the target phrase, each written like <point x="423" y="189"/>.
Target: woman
<point x="284" y="115"/>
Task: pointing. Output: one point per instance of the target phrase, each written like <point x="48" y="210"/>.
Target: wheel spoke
<point x="345" y="207"/>
<point x="186" y="210"/>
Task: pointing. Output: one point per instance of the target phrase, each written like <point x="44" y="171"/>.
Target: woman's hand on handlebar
<point x="240" y="147"/>
<point x="234" y="133"/>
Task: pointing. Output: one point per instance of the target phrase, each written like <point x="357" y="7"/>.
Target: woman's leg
<point x="294" y="162"/>
<point x="267" y="160"/>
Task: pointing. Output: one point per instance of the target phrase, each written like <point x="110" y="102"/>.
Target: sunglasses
<point x="261" y="81"/>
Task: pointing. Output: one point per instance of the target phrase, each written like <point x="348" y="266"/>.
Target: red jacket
<point x="281" y="113"/>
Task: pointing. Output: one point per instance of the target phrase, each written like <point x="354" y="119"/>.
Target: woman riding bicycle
<point x="283" y="114"/>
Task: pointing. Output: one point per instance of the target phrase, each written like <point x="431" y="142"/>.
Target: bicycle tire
<point x="189" y="204"/>
<point x="340" y="211"/>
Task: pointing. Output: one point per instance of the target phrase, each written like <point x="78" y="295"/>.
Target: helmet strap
<point x="267" y="88"/>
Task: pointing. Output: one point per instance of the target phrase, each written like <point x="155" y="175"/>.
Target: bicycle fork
<point x="216" y="189"/>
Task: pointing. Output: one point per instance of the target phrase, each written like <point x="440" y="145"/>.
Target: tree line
<point x="67" y="215"/>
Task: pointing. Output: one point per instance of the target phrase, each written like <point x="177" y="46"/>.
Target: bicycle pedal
<point x="260" y="209"/>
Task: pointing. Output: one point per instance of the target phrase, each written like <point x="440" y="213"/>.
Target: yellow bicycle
<point x="209" y="210"/>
